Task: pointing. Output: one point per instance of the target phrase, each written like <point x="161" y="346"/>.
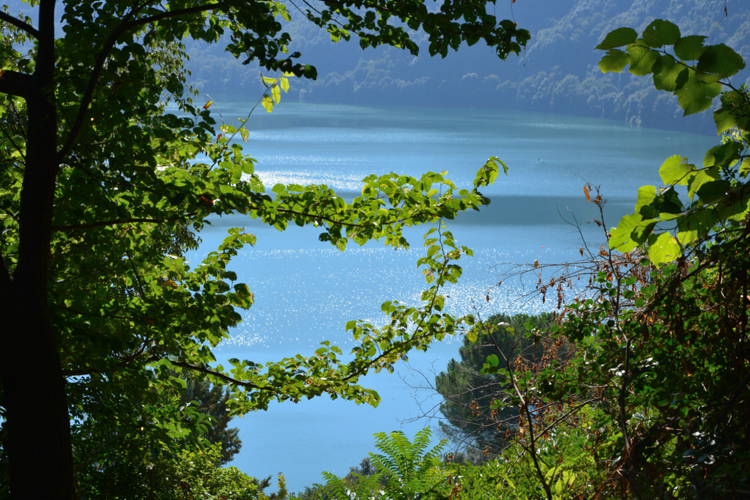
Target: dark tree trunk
<point x="38" y="443"/>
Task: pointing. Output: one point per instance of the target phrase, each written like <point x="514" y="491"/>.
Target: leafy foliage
<point x="188" y="473"/>
<point x="651" y="398"/>
<point x="103" y="191"/>
<point x="715" y="190"/>
<point x="211" y="400"/>
<point x="654" y="402"/>
<point x="472" y="403"/>
<point x="405" y="470"/>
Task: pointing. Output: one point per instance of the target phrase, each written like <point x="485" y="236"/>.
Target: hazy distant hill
<point x="557" y="73"/>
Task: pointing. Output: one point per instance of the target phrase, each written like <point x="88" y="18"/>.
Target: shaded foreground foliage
<point x="642" y="390"/>
<point x="103" y="191"/>
<point x="642" y="386"/>
<point x="474" y="415"/>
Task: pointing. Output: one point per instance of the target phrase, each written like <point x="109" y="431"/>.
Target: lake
<point x="306" y="290"/>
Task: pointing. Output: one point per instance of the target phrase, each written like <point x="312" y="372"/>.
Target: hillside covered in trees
<point x="557" y="72"/>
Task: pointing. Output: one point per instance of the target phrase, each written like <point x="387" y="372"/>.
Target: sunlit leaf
<point x="720" y="60"/>
<point x="665" y="248"/>
<point x="614" y="61"/>
<point x="668" y="74"/>
<point x="695" y="95"/>
<point x="675" y="170"/>
<point x="642" y="59"/>
<point x="621" y="235"/>
<point x="618" y="38"/>
<point x="267" y="103"/>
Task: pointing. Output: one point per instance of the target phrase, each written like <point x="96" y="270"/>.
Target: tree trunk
<point x="34" y="396"/>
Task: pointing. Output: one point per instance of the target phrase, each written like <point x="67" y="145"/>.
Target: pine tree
<point x="211" y="400"/>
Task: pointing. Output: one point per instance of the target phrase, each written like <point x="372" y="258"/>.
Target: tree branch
<point x="120" y="30"/>
<point x="225" y="378"/>
<point x="15" y="83"/>
<point x="19" y="24"/>
<point x="172" y="13"/>
<point x="10" y="139"/>
<point x="111" y="223"/>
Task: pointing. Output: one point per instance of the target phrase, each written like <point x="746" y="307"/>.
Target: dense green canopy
<point x="102" y="192"/>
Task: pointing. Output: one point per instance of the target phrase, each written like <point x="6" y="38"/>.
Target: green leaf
<point x="276" y="93"/>
<point x="722" y="155"/>
<point x="668" y="74"/>
<point x="621" y="239"/>
<point x="663" y="249"/>
<point x="675" y="170"/>
<point x="245" y="134"/>
<point x="695" y="95"/>
<point x="268" y="81"/>
<point x="720" y="61"/>
<point x="689" y="48"/>
<point x="646" y="196"/>
<point x="724" y="119"/>
<point x="711" y="192"/>
<point x="696" y="225"/>
<point x="618" y="38"/>
<point x="284" y="82"/>
<point x="642" y="59"/>
<point x="267" y="103"/>
<point x="728" y="115"/>
<point x="745" y="168"/>
<point x="660" y="33"/>
<point x="614" y="61"/>
<point x="700" y="178"/>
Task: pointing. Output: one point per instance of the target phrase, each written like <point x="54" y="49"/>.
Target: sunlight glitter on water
<point x="334" y="287"/>
<point x="346" y="182"/>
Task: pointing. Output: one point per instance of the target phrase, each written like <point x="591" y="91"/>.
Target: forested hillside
<point x="557" y="72"/>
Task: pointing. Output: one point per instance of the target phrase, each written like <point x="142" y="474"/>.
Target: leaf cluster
<point x="716" y="190"/>
<point x="404" y="469"/>
<point x="475" y="406"/>
<point x="132" y="169"/>
<point x="651" y="397"/>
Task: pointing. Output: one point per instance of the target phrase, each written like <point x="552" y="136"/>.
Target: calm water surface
<point x="306" y="291"/>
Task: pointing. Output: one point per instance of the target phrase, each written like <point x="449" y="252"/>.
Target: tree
<point x="473" y="403"/>
<point x="100" y="199"/>
<point x="211" y="400"/>
<point x="654" y="400"/>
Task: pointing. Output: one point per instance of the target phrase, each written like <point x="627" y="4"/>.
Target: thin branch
<point x="530" y="422"/>
<point x="10" y="139"/>
<point x="222" y="376"/>
<point x="135" y="273"/>
<point x="112" y="223"/>
<point x="120" y="30"/>
<point x="19" y="24"/>
<point x="172" y="13"/>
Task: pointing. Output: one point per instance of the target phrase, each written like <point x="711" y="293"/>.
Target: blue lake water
<point x="306" y="290"/>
